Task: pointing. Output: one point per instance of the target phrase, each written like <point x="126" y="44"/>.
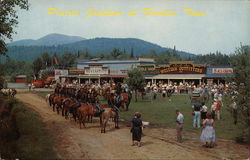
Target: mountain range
<point x="48" y="40"/>
<point x="28" y="49"/>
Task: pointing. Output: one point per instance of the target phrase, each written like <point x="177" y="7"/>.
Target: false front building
<point x="98" y="70"/>
<point x="178" y="71"/>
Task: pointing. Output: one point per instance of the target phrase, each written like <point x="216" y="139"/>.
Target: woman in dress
<point x="136" y="129"/>
<point x="208" y="132"/>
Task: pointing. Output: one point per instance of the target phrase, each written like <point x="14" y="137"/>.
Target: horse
<point x="82" y="95"/>
<point x="70" y="105"/>
<point x="125" y="101"/>
<point x="51" y="97"/>
<point x="106" y="93"/>
<point x="57" y="89"/>
<point x="66" y="105"/>
<point x="106" y="115"/>
<point x="57" y="101"/>
<point x="87" y="110"/>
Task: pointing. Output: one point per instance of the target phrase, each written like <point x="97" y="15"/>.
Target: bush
<point x="22" y="133"/>
<point x="239" y="89"/>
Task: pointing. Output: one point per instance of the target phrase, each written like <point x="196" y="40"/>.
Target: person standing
<point x="29" y="86"/>
<point x="208" y="132"/>
<point x="155" y="90"/>
<point x="235" y="114"/>
<point x="213" y="109"/>
<point x="217" y="111"/>
<point x="203" y="111"/>
<point x="179" y="125"/>
<point x="164" y="93"/>
<point x="136" y="129"/>
<point x="196" y="108"/>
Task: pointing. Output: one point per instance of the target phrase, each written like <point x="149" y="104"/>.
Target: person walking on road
<point x="179" y="125"/>
<point x="136" y="129"/>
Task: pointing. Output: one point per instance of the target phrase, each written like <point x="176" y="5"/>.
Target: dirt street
<point x="158" y="143"/>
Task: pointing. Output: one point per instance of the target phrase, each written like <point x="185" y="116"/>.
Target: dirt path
<point x="158" y="143"/>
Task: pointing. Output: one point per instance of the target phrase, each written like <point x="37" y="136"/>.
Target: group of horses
<point x="83" y="104"/>
<point x="10" y="92"/>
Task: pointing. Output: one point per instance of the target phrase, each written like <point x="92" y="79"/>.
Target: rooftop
<point x="96" y="61"/>
<point x="21" y="76"/>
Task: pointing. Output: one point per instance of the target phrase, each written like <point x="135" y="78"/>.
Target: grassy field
<point x="163" y="113"/>
<point x="43" y="94"/>
<point x="159" y="112"/>
<point x="33" y="140"/>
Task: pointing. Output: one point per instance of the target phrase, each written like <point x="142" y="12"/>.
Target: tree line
<point x="11" y="68"/>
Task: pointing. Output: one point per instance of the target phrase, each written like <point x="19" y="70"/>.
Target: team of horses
<point x="83" y="104"/>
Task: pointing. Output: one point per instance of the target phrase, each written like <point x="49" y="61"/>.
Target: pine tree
<point x="132" y="53"/>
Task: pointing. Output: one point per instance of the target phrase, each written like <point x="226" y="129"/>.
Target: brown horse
<point x="84" y="111"/>
<point x="106" y="93"/>
<point x="82" y="94"/>
<point x="125" y="100"/>
<point x="106" y="115"/>
<point x="51" y="97"/>
<point x="57" y="102"/>
<point x="67" y="106"/>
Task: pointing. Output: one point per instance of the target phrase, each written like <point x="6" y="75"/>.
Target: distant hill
<point x="105" y="45"/>
<point x="93" y="46"/>
<point x="48" y="40"/>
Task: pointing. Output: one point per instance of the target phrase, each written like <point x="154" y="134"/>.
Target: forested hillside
<point x="93" y="46"/>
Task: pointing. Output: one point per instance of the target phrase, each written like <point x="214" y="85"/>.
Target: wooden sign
<point x="96" y="70"/>
<point x="177" y="69"/>
<point x="222" y="70"/>
<point x="76" y="71"/>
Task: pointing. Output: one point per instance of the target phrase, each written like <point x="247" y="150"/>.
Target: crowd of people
<point x="186" y="87"/>
<point x="203" y="116"/>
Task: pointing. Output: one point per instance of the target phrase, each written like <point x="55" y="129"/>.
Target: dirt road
<point x="158" y="143"/>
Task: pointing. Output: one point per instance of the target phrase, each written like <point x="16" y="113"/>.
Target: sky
<point x="224" y="27"/>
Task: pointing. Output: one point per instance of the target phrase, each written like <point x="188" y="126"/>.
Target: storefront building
<point x="218" y="74"/>
<point x="98" y="70"/>
<point x="176" y="72"/>
<point x="116" y="70"/>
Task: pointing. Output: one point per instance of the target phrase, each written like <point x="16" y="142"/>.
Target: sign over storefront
<point x="60" y="72"/>
<point x="95" y="70"/>
<point x="175" y="69"/>
<point x="182" y="69"/>
<point x="76" y="71"/>
<point x="222" y="70"/>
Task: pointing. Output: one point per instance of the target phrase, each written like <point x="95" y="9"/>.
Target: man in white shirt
<point x="179" y="125"/>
